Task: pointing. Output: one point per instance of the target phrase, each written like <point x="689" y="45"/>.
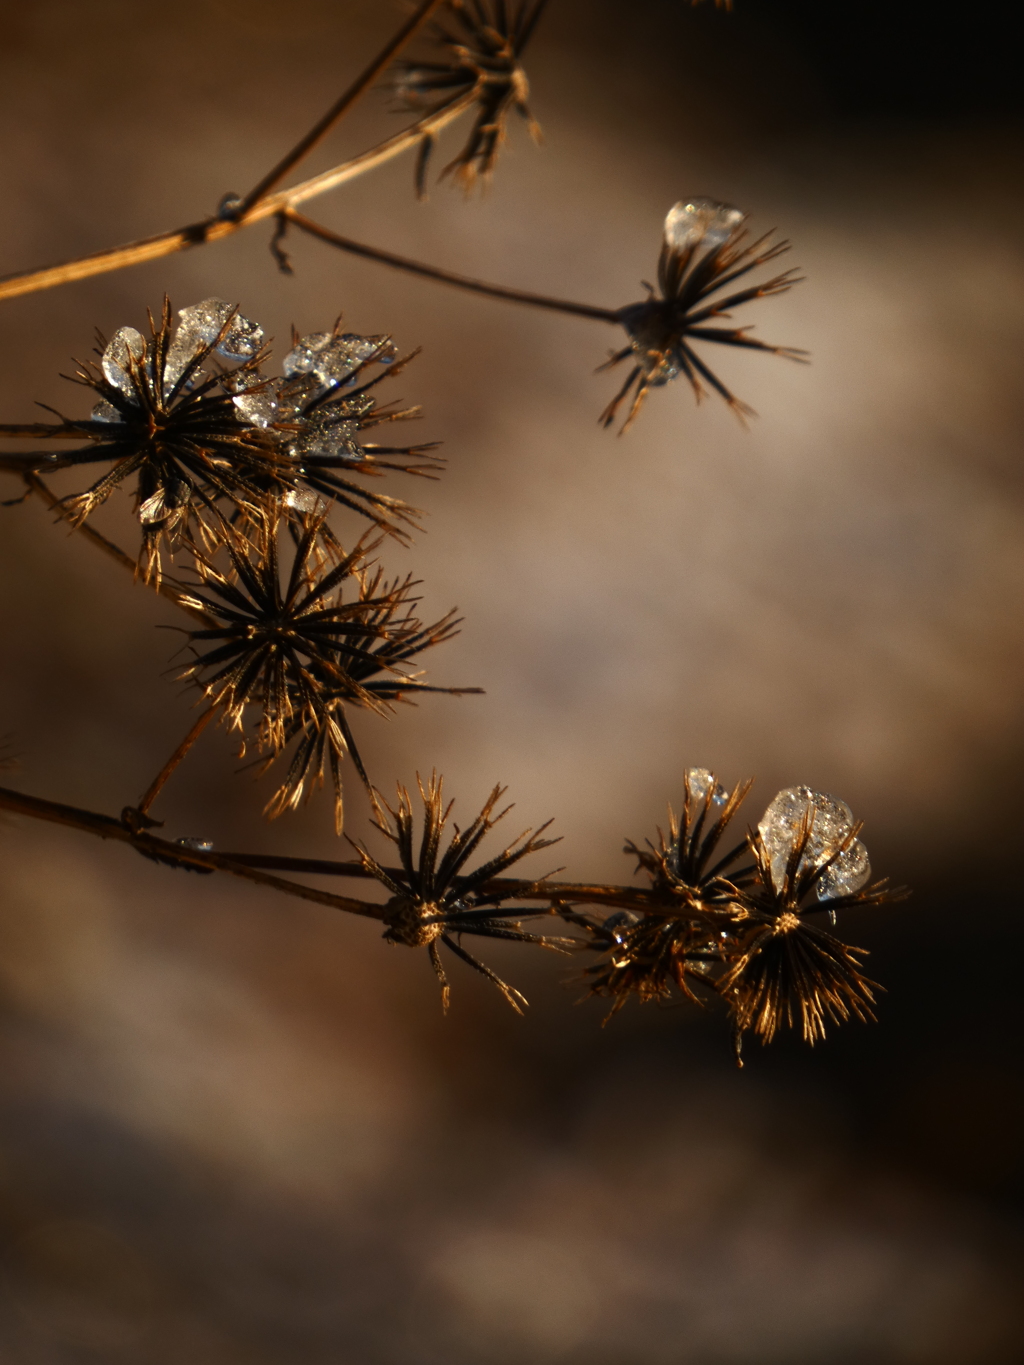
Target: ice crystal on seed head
<point x="780" y="828"/>
<point x="700" y="222"/>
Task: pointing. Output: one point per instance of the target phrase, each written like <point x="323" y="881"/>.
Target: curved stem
<point x="175" y="855"/>
<point x="252" y="867"/>
<point x="433" y="272"/>
<point x="338" y="110"/>
<point x="213" y="229"/>
<point x="156" y="786"/>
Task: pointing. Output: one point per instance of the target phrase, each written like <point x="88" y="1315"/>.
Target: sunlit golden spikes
<point x="483" y="43"/>
<point x="434" y="900"/>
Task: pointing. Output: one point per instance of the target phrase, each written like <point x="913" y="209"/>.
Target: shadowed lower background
<point x="237" y="1129"/>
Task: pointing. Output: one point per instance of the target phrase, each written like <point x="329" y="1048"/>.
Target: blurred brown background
<point x="236" y="1129"/>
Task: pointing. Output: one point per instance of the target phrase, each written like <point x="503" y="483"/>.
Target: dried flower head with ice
<point x="788" y="970"/>
<point x="704" y="250"/>
<point x="737" y="922"/>
<point x="325" y="405"/>
<point x="206" y="438"/>
<point x="483" y="43"/>
<point x="184" y="412"/>
<point x="680" y="928"/>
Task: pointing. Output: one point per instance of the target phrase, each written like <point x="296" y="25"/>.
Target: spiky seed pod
<point x="296" y="648"/>
<point x="167" y="415"/>
<point x="784" y="970"/>
<point x="483" y="42"/>
<point x="704" y="250"/>
<point x="377" y="677"/>
<point x="433" y="900"/>
<point x="324" y="405"/>
<point x="682" y="926"/>
<point x="277" y="643"/>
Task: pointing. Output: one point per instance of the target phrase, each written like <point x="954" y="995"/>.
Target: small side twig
<point x="157" y="785"/>
<point x="340" y="108"/>
<point x="433" y="272"/>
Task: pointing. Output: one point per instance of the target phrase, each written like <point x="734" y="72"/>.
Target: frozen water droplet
<point x="782" y="822"/>
<point x="202" y="323"/>
<point x="618" y="923"/>
<point x="302" y="357"/>
<point x="847" y="874"/>
<point x="332" y="359"/>
<point x="105" y="412"/>
<point x="303" y="500"/>
<point x="832" y="918"/>
<point x="700" y="222"/>
<point x="242" y="340"/>
<point x="256" y="406"/>
<point x="229" y="205"/>
<point x="332" y="443"/>
<point x="126" y="342"/>
<point x="345" y="355"/>
<point x="700" y="782"/>
<point x="196" y="845"/>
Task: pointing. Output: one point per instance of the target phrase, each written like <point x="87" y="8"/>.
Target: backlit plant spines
<point x="433" y="900"/>
<point x="741" y="932"/>
<point x="377" y="678"/>
<point x="161" y="415"/>
<point x="704" y="250"/>
<point x="298" y="651"/>
<point x="238" y="467"/>
<point x="483" y="41"/>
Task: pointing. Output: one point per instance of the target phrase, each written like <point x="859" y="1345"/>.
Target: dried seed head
<point x="433" y="898"/>
<point x="213" y="441"/>
<point x="743" y="932"/>
<point x="482" y="42"/>
<point x="300" y="646"/>
<point x="703" y="250"/>
<point x="169" y="413"/>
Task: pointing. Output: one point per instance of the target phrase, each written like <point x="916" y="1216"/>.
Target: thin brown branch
<point x="157" y="785"/>
<point x="513" y="888"/>
<point x="162" y="850"/>
<point x="433" y="272"/>
<point x="166" y="587"/>
<point x="42" y="431"/>
<point x="214" y="229"/>
<point x="338" y="110"/>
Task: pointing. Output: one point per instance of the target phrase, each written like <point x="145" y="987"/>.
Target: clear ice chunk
<point x="302" y="357"/>
<point x="126" y="342"/>
<point x="700" y="782"/>
<point x="202" y="323"/>
<point x="333" y="359"/>
<point x="700" y="222"/>
<point x="850" y="871"/>
<point x="256" y="404"/>
<point x="331" y="443"/>
<point x="618" y="923"/>
<point x="196" y="845"/>
<point x="304" y="500"/>
<point x="782" y="822"/>
<point x="105" y="412"/>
